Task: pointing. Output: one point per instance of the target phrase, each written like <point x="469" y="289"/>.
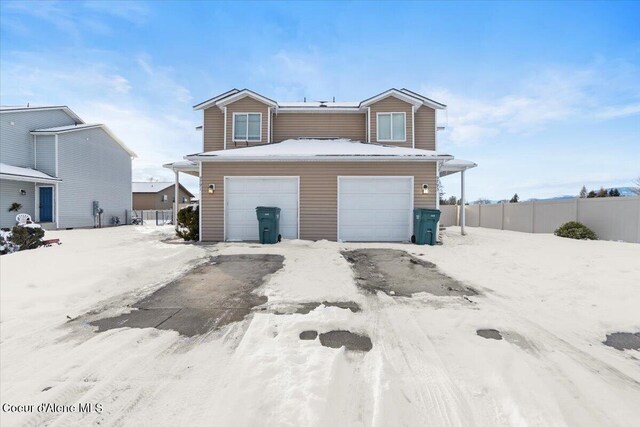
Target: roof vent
<point x="323" y="103"/>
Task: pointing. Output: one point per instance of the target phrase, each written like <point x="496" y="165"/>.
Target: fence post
<point x="480" y="215"/>
<point x="502" y="223"/>
<point x="577" y="208"/>
<point x="533" y="216"/>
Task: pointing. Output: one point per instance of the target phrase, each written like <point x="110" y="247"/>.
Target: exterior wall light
<point x="425" y="188"/>
<point x="23" y="192"/>
<point x="212" y="188"/>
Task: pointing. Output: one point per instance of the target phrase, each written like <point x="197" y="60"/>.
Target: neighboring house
<point x="56" y="166"/>
<point x="158" y="195"/>
<point x="347" y="171"/>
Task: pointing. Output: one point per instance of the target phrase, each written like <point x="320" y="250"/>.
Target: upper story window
<point x="392" y="127"/>
<point x="247" y="126"/>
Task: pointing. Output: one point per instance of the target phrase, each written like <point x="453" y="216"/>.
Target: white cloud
<point x="547" y="97"/>
<point x="144" y="106"/>
<point x="614" y="112"/>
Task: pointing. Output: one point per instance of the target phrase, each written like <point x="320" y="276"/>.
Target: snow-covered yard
<point x="553" y="301"/>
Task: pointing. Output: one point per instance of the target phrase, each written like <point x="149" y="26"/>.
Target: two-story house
<point x="55" y="167"/>
<point x="158" y="195"/>
<point x="346" y="171"/>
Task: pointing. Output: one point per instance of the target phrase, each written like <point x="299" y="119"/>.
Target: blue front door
<point x="46" y="204"/>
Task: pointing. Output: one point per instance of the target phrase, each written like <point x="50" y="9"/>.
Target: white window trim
<point x="233" y="127"/>
<point x="391" y="124"/>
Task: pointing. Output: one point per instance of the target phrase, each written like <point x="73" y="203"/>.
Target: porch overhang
<point x="16" y="173"/>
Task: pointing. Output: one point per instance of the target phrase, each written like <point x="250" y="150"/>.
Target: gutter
<point x="318" y="158"/>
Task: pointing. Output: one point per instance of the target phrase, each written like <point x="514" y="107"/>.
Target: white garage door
<point x="244" y="194"/>
<point x="375" y="208"/>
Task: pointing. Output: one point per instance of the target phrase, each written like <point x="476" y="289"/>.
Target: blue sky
<point x="545" y="97"/>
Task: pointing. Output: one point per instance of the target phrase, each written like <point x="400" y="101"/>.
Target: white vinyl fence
<point x="612" y="218"/>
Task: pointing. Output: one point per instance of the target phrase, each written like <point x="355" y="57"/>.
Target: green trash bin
<point x="268" y="224"/>
<point x="425" y="226"/>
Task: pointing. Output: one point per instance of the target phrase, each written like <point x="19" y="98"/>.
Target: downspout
<point x="175" y="198"/>
<point x="462" y="204"/>
<point x="413" y="128"/>
<point x="369" y="124"/>
<point x="225" y="128"/>
<point x="201" y="207"/>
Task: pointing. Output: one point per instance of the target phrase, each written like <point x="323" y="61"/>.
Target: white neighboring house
<point x="56" y="166"/>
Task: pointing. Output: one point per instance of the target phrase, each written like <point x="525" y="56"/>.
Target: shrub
<point x="27" y="237"/>
<point x="189" y="223"/>
<point x="575" y="230"/>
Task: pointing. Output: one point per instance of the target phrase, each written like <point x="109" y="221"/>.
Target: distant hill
<point x="624" y="192"/>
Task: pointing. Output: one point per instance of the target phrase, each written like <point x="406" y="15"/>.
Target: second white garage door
<point x="375" y="208"/>
<point x="244" y="194"/>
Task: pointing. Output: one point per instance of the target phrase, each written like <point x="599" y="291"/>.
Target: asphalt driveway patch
<point x="308" y="335"/>
<point x="397" y="273"/>
<point x="206" y="298"/>
<point x="623" y="341"/>
<point x="490" y="334"/>
<point x="347" y="339"/>
<point x="308" y="307"/>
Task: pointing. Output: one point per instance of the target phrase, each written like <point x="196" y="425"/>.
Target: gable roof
<point x="20" y="109"/>
<point x="209" y="102"/>
<point x="404" y="95"/>
<point x="320" y="150"/>
<point x="315" y="106"/>
<point x="232" y="96"/>
<point x="154" y="187"/>
<point x="430" y="102"/>
<point x="85" y="126"/>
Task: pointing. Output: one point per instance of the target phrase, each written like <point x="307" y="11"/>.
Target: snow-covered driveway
<point x="553" y="301"/>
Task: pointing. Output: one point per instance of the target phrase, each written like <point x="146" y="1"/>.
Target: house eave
<point x="319" y="158"/>
<point x="25" y="178"/>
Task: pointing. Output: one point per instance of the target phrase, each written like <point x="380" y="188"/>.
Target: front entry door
<point x="46" y="204"/>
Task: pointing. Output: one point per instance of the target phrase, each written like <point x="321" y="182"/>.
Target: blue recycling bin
<point x="268" y="224"/>
<point x="425" y="226"/>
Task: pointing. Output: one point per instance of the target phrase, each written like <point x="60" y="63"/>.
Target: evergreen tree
<point x="614" y="193"/>
<point x="602" y="192"/>
<point x="583" y="192"/>
<point x="514" y="199"/>
<point x="591" y="194"/>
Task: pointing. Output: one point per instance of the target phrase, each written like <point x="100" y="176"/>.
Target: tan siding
<point x="213" y="129"/>
<point x="247" y="105"/>
<point x="318" y="190"/>
<point x="153" y="201"/>
<point x="322" y="125"/>
<point x="392" y="104"/>
<point x="425" y="120"/>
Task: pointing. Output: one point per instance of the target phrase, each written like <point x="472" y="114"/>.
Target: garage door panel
<point x="359" y="217"/>
<point x="375" y="201"/>
<point x="375" y="208"/>
<point x="364" y="186"/>
<point x="244" y="194"/>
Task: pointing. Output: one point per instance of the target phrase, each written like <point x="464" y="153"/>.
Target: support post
<point x="175" y="198"/>
<point x="462" y="204"/>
